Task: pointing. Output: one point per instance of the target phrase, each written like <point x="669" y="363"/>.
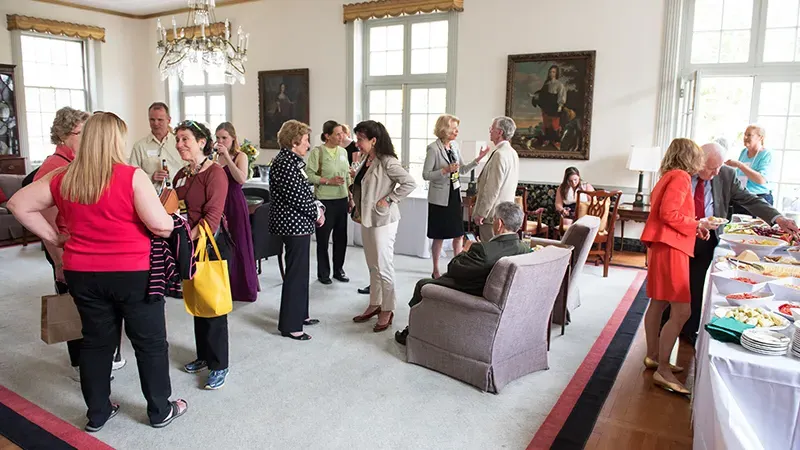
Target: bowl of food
<point x="738" y="281"/>
<point x="756" y="316"/>
<point x="760" y="245"/>
<point x="794" y="252"/>
<point x="751" y="299"/>
<point x="786" y="289"/>
<point x="790" y="310"/>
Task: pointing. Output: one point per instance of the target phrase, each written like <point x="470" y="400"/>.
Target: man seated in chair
<point x="468" y="271"/>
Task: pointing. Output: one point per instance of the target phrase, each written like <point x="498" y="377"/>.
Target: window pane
<point x="420" y="61"/>
<point x="708" y="15"/>
<point x="377" y="64"/>
<point x="791" y="161"/>
<point x="377" y="102"/>
<point x="789" y="198"/>
<point x="58" y="50"/>
<point x="738" y="15"/>
<point x="419" y="127"/>
<point x="723" y="110"/>
<point x="74" y="53"/>
<point x="438" y="60"/>
<point x="774" y="99"/>
<point x="416" y="171"/>
<point x="421" y="35"/>
<point x="394" y="101"/>
<point x="417" y="150"/>
<point x="378" y="118"/>
<point x="217" y="106"/>
<point x="47" y="98"/>
<point x="437" y="100"/>
<point x="63" y="98"/>
<point x="32" y="99"/>
<point x="794" y="105"/>
<point x="34" y="124"/>
<point x="377" y="39"/>
<point x="216" y="119"/>
<point x="419" y="101"/>
<point x="394" y="125"/>
<point x="394" y="37"/>
<point x="705" y="47"/>
<point x="781" y="13"/>
<point x="78" y="100"/>
<point x="194" y="107"/>
<point x="779" y="45"/>
<point x="439" y="31"/>
<point x="216" y="77"/>
<point x="394" y="63"/>
<point x="734" y="47"/>
<point x="792" y="136"/>
<point x="775" y="130"/>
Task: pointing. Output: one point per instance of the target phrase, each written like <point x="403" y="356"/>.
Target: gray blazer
<point x="435" y="160"/>
<point x="386" y="177"/>
<point x="726" y="188"/>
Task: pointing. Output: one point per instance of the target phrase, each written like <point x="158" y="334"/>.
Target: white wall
<point x="124" y="65"/>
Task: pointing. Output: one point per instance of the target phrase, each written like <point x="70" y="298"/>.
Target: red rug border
<point x="544" y="437"/>
<point x="50" y="423"/>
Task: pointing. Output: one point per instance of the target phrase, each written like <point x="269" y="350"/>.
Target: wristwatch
<point x="389" y="200"/>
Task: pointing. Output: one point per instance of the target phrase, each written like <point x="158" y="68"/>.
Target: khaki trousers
<point x="485" y="231"/>
<point x="379" y="253"/>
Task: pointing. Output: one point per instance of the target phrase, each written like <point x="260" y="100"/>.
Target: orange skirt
<point x="668" y="274"/>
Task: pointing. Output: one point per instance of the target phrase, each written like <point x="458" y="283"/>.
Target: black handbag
<point x="224" y="241"/>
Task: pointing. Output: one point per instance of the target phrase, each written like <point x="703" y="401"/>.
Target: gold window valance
<point x="391" y="8"/>
<point x="214" y="29"/>
<point x="25" y="23"/>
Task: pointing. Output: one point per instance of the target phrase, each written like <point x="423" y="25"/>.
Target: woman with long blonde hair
<point x="670" y="234"/>
<point x="110" y="210"/>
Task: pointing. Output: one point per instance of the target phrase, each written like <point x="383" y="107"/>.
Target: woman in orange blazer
<point x="670" y="234"/>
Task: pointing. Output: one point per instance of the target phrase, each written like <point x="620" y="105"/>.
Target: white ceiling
<point x="135" y="7"/>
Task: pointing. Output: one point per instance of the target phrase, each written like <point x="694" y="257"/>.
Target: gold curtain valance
<point x="214" y="29"/>
<point x="391" y="8"/>
<point x="25" y="23"/>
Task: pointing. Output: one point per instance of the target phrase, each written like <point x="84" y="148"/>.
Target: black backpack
<point x="29" y="177"/>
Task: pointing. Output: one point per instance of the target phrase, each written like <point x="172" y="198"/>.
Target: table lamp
<point x="643" y="159"/>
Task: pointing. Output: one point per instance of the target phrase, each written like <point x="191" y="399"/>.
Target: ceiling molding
<point x="69" y="4"/>
<point x="393" y="8"/>
<point x="55" y="27"/>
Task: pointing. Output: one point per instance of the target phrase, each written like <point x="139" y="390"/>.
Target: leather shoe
<point x="677" y="388"/>
<point x="652" y="364"/>
<point x="378" y="327"/>
<point x="341" y="277"/>
<point x="302" y="337"/>
<point x="401" y="336"/>
<point x="325" y="280"/>
<point x="364" y="290"/>
<point x="365" y="317"/>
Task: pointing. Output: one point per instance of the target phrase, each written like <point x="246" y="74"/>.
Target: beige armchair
<point x="580" y="235"/>
<point x="492" y="340"/>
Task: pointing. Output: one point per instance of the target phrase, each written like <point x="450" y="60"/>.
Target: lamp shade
<point x="644" y="159"/>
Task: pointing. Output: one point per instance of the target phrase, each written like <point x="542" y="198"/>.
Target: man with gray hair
<point x="498" y="180"/>
<point x="468" y="271"/>
<point x="715" y="188"/>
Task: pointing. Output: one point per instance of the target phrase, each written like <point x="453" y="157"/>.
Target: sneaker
<point x="196" y="366"/>
<point x="216" y="379"/>
<point x="92" y="428"/>
<point x="76" y="375"/>
<point x="119" y="362"/>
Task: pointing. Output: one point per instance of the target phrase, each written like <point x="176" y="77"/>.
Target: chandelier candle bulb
<point x="246" y="41"/>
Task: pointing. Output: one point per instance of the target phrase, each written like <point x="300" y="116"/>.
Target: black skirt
<point x="446" y="222"/>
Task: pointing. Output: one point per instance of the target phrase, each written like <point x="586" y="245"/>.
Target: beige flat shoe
<point x="677" y="388"/>
<point x="653" y="364"/>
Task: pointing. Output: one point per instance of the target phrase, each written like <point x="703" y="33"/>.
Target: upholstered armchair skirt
<point x="492" y="340"/>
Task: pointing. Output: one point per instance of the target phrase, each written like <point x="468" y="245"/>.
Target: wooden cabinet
<point x="14" y="165"/>
<point x="11" y="161"/>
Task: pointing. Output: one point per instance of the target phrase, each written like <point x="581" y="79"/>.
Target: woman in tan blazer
<point x="377" y="188"/>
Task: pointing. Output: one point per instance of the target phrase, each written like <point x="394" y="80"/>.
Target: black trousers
<point x="736" y="209"/>
<point x="211" y="340"/>
<point x="698" y="267"/>
<point x="336" y="223"/>
<point x="294" y="293"/>
<point x="104" y="299"/>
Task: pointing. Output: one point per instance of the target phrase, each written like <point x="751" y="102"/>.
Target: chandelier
<point x="202" y="46"/>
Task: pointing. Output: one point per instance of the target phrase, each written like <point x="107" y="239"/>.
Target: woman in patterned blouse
<point x="294" y="214"/>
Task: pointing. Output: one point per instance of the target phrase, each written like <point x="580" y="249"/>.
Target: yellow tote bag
<point x="208" y="294"/>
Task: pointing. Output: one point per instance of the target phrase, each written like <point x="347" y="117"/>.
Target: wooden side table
<point x="628" y="212"/>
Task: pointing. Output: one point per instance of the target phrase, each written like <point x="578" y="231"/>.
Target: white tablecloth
<point x="743" y="400"/>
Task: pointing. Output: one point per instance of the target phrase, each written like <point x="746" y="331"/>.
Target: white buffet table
<point x="743" y="400"/>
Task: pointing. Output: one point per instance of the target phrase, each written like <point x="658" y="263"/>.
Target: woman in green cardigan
<point x="329" y="171"/>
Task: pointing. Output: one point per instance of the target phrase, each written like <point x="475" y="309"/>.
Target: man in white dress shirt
<point x="157" y="146"/>
<point x="498" y="180"/>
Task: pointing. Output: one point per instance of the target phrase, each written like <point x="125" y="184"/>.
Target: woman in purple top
<point x="242" y="268"/>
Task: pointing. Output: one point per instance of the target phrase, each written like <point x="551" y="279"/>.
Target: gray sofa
<point x="10" y="229"/>
<point x="492" y="340"/>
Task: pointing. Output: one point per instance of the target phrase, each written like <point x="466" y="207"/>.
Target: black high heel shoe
<point x="302" y="337"/>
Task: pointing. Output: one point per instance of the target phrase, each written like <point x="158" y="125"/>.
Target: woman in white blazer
<point x="379" y="185"/>
<point x="442" y="168"/>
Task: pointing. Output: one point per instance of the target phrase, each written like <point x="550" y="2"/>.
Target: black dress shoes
<point x="401" y="336"/>
<point x="341" y="277"/>
<point x="325" y="280"/>
<point x="364" y="290"/>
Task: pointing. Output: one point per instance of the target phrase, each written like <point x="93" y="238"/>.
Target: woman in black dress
<point x="442" y="168"/>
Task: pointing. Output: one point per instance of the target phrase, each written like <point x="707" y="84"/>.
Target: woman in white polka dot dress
<point x="294" y="214"/>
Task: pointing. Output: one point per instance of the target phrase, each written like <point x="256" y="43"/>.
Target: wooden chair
<point x="530" y="227"/>
<point x="602" y="204"/>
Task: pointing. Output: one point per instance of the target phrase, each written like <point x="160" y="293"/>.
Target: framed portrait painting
<point x="282" y="95"/>
<point x="549" y="96"/>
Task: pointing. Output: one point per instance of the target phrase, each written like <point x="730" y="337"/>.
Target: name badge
<point x="152" y="153"/>
<point x="181" y="182"/>
<point x="343" y="158"/>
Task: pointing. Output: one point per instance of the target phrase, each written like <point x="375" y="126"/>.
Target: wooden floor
<point x="5" y="444"/>
<point x="628" y="259"/>
<point x="638" y="415"/>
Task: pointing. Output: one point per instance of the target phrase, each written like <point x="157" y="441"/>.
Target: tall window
<point x="205" y="98"/>
<point x="747" y="55"/>
<point x="54" y="74"/>
<point x="408" y="78"/>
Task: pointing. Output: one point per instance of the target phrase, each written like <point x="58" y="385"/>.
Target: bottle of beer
<point x="164" y="167"/>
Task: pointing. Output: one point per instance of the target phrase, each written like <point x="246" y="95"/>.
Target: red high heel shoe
<point x="378" y="327"/>
<point x="366" y="317"/>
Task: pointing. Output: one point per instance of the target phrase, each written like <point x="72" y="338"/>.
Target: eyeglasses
<point x="75" y="133"/>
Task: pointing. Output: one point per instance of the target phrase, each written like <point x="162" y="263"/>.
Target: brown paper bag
<point x="60" y="319"/>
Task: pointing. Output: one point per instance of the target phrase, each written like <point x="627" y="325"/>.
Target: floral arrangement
<point x="251" y="151"/>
